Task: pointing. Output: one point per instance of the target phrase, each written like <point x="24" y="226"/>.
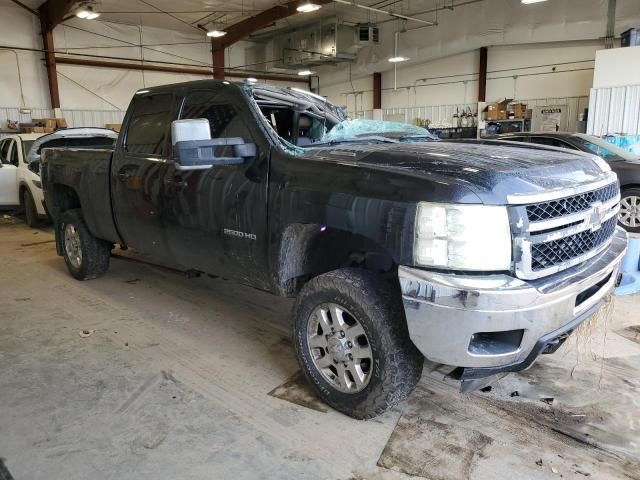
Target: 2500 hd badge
<point x="236" y="233"/>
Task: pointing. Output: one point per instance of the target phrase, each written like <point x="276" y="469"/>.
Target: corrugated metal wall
<point x="441" y="115"/>
<point x="75" y="118"/>
<point x="92" y="118"/>
<point x="614" y="111"/>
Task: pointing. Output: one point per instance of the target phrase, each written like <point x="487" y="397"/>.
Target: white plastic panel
<point x="614" y="111"/>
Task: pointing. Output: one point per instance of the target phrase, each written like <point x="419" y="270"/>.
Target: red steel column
<point x="482" y="84"/>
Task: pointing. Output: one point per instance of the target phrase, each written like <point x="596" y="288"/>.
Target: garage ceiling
<point x="187" y="14"/>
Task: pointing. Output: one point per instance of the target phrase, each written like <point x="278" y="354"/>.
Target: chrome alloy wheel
<point x="630" y="211"/>
<point x="339" y="348"/>
<point x="72" y="245"/>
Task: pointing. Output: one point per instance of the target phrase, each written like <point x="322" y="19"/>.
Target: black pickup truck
<point x="397" y="246"/>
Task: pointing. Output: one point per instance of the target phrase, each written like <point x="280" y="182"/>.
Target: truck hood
<point x="492" y="172"/>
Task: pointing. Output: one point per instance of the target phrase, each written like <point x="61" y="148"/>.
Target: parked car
<point x="21" y="155"/>
<point x="19" y="186"/>
<point x="625" y="164"/>
<point x="476" y="256"/>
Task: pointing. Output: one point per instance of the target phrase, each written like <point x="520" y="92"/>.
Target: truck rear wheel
<point x="86" y="256"/>
<point x="352" y="343"/>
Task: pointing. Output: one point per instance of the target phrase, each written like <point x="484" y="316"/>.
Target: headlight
<point x="465" y="237"/>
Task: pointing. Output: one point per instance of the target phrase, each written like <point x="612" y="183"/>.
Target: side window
<point x="4" y="151"/>
<point x="551" y="142"/>
<point x="149" y="127"/>
<point x="224" y="118"/>
<point x="13" y="155"/>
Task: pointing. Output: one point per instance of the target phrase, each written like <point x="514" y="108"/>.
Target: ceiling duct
<point x="323" y="42"/>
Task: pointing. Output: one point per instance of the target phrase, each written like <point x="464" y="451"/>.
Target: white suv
<point x="20" y="186"/>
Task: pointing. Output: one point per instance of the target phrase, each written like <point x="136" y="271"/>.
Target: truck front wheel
<point x="352" y="343"/>
<point x="86" y="256"/>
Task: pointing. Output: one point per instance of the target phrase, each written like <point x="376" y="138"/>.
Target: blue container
<point x="630" y="265"/>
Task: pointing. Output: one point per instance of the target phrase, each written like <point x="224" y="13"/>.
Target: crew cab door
<point x="216" y="219"/>
<point x="8" y="174"/>
<point x="138" y="170"/>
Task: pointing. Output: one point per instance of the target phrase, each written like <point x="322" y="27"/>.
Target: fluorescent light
<point x="216" y="33"/>
<point x="529" y="2"/>
<point x="308" y="7"/>
<point x="305" y="73"/>
<point x="87" y="13"/>
<point x="398" y="59"/>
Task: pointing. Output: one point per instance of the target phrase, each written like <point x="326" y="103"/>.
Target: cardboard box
<point x="519" y="110"/>
<point x="495" y="110"/>
<point x="492" y="112"/>
<point x="45" y="122"/>
<point x="61" y="123"/>
<point x="529" y="114"/>
<point x="114" y="126"/>
<point x="33" y="129"/>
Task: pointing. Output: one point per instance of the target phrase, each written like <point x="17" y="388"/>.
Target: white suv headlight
<point x="464" y="237"/>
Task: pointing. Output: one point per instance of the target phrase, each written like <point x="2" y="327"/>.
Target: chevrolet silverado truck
<point x="396" y="246"/>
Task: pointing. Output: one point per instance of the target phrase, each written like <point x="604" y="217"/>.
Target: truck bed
<point x="81" y="175"/>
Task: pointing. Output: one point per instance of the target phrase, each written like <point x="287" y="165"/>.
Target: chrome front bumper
<point x="497" y="323"/>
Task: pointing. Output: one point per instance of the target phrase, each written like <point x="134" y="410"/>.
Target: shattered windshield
<point x="301" y="119"/>
<point x="353" y="129"/>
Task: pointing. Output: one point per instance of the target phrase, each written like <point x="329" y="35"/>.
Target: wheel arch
<point x="22" y="186"/>
<point x="308" y="250"/>
<point x="62" y="198"/>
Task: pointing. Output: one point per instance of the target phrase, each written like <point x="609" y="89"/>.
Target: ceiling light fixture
<point x="251" y="80"/>
<point x="529" y="2"/>
<point x="396" y="58"/>
<point x="305" y="73"/>
<point x="308" y="7"/>
<point x="216" y="33"/>
<point x="87" y="13"/>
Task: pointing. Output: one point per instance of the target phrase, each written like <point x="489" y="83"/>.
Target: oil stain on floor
<point x="297" y="390"/>
<point x="631" y="333"/>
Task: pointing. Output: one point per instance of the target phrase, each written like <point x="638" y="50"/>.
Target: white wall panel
<point x="631" y="116"/>
<point x="614" y="111"/>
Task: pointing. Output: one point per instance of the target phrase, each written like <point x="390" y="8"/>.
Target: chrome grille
<point x="557" y="252"/>
<point x="558" y="233"/>
<point x="573" y="204"/>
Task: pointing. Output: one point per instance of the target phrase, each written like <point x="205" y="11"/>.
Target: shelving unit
<point x="459" y="132"/>
<point x="508" y="126"/>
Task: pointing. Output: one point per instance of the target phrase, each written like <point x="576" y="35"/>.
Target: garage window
<point x="149" y="126"/>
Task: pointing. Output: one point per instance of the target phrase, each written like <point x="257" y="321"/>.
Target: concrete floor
<point x="174" y="382"/>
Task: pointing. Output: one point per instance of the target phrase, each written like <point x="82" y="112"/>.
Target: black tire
<point x="397" y="363"/>
<point x="30" y="211"/>
<point x="627" y="193"/>
<point x="95" y="253"/>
